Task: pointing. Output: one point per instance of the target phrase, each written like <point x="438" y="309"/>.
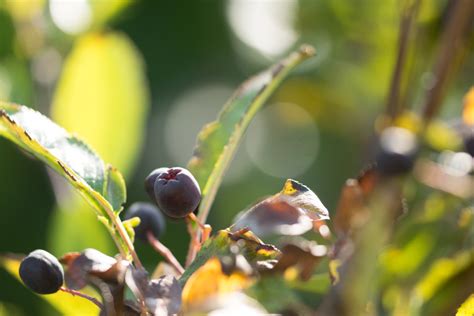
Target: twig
<point x="193" y="242"/>
<point x="87" y="297"/>
<point x="117" y="223"/>
<point x="198" y="237"/>
<point x="409" y="13"/>
<point x="450" y="46"/>
<point x="165" y="252"/>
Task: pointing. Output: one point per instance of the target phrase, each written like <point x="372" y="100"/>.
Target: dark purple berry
<point x="42" y="272"/>
<point x="150" y="181"/>
<point x="151" y="219"/>
<point x="397" y="151"/>
<point x="177" y="192"/>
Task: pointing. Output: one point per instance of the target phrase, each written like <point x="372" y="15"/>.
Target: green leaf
<point x="66" y="154"/>
<point x="115" y="189"/>
<point x="102" y="95"/>
<point x="64" y="303"/>
<point x="73" y="160"/>
<point x="218" y="141"/>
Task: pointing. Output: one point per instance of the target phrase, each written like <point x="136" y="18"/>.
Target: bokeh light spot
<point x="72" y="16"/>
<point x="266" y="26"/>
<point x="283" y="140"/>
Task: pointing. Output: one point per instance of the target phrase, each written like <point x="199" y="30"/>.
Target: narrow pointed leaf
<point x="218" y="141"/>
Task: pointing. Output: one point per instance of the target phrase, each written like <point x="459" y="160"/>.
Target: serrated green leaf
<point x="64" y="303"/>
<point x="66" y="154"/>
<point x="72" y="159"/>
<point x="102" y="95"/>
<point x="218" y="141"/>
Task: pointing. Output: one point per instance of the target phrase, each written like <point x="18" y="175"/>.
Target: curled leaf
<point x="289" y="212"/>
<point x="352" y="211"/>
<point x="81" y="266"/>
<point x="300" y="196"/>
<point x="274" y="217"/>
<point x="162" y="296"/>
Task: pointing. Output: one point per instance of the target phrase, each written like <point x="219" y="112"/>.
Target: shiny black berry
<point x="177" y="192"/>
<point x="397" y="151"/>
<point x="42" y="272"/>
<point x="150" y="181"/>
<point x="151" y="219"/>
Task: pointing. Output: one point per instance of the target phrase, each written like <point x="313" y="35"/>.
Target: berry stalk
<point x="165" y="252"/>
<point x="85" y="296"/>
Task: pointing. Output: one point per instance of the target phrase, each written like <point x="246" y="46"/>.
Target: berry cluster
<point x="176" y="193"/>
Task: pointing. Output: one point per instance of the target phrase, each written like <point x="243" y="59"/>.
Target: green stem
<point x="123" y="239"/>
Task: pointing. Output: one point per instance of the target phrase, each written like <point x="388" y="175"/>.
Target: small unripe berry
<point x="177" y="192"/>
<point x="397" y="151"/>
<point x="42" y="272"/>
<point x="151" y="219"/>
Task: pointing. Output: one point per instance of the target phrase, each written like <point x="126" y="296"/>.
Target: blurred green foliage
<point x="165" y="50"/>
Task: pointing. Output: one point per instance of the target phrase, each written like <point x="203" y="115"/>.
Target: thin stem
<point x="118" y="242"/>
<point x="406" y="25"/>
<point x="198" y="222"/>
<point x="451" y="46"/>
<point x="193" y="242"/>
<point x="165" y="252"/>
<point x="85" y="296"/>
<point x="128" y="242"/>
<point x="203" y="234"/>
<point x="117" y="223"/>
